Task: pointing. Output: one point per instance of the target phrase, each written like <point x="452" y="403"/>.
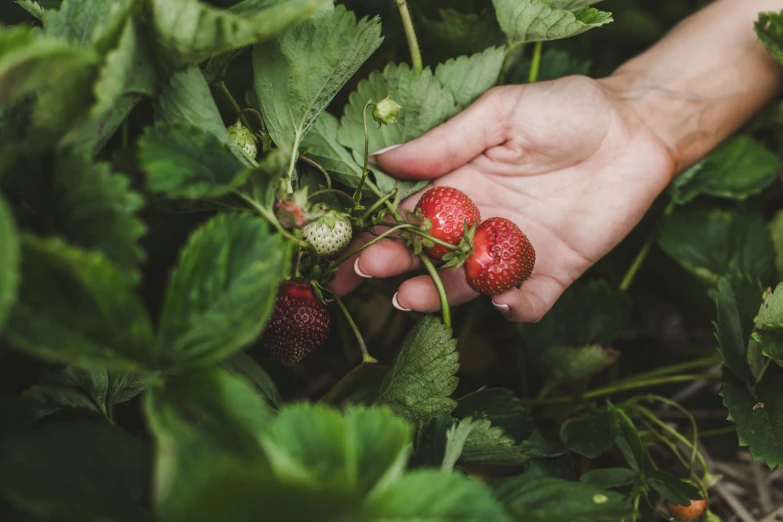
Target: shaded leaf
<point x="468" y="77"/>
<point x="462" y="33"/>
<point x="673" y="489"/>
<point x="628" y="441"/>
<point x="223" y="290"/>
<point x="591" y="434"/>
<point x="358" y="386"/>
<point x="767" y="337"/>
<point x="89" y="23"/>
<point x="554" y="64"/>
<point x="421" y="379"/>
<point x="571" y="363"/>
<point x="606" y="478"/>
<point x="488" y="444"/>
<point x="429" y="443"/>
<point x="776" y="233"/>
<point x="534" y="20"/>
<point x="9" y="261"/>
<point x="501" y="407"/>
<point x="240" y="363"/>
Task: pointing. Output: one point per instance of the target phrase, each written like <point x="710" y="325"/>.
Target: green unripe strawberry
<point x="329" y="234"/>
<point x="244" y="138"/>
<point x="385" y="111"/>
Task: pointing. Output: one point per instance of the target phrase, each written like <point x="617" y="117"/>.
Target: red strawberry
<point x="299" y="324"/>
<point x="502" y="257"/>
<point x="448" y="209"/>
<point x="693" y="513"/>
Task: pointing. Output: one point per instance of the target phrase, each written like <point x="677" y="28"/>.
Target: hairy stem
<point x="335" y="192"/>
<point x="221" y="85"/>
<point x="375" y="206"/>
<point x="674" y="368"/>
<point x="319" y="168"/>
<point x="410" y="34"/>
<point x="366" y="357"/>
<point x="357" y="196"/>
<point x="444" y="302"/>
<point x="425" y="235"/>
<point x="536" y="63"/>
<point x="625" y="284"/>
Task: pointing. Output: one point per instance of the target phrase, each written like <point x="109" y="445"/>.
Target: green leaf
<point x="737" y="299"/>
<point x="488" y="444"/>
<point x="554" y="64"/>
<point x="75" y="307"/>
<point x="547" y="499"/>
<point x="462" y="33"/>
<point x="9" y="261"/>
<point x="89" y="23"/>
<point x="456" y="436"/>
<point x="425" y="104"/>
<point x="628" y="441"/>
<point x="767" y="337"/>
<point x="187" y="162"/>
<point x="240" y="363"/>
<point x="96" y="210"/>
<point x="501" y="407"/>
<point x="96" y="390"/>
<point x="468" y="77"/>
<point x="298" y="74"/>
<point x="606" y="478"/>
<point x="429" y="444"/>
<point x="570" y="322"/>
<point x="591" y="434"/>
<point x="737" y="169"/>
<point x="32" y="7"/>
<point x="358" y="386"/>
<point x="713" y="242"/>
<point x="673" y="489"/>
<point x="431" y="496"/>
<point x="758" y="415"/>
<point x="422" y="376"/>
<point x="190" y="31"/>
<point x="571" y="363"/>
<point x="776" y="232"/>
<point x="223" y="290"/>
<point x="526" y="21"/>
<point x="77" y="471"/>
<point x="769" y="29"/>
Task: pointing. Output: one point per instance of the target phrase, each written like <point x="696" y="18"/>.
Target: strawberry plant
<point x="180" y="183"/>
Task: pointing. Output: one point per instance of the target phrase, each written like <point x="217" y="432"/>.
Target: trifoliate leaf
<point x="468" y="77"/>
<point x="526" y="21"/>
<point x="425" y="104"/>
<point x="758" y="415"/>
<point x="673" y="489"/>
<point x="769" y="29"/>
<point x="223" y="290"/>
<point x="82" y="470"/>
<point x="188" y="162"/>
<point x="738" y="169"/>
<point x="460" y="33"/>
<point x="298" y="74"/>
<point x="190" y="31"/>
<point x="547" y="499"/>
<point x="573" y="363"/>
<point x="501" y="407"/>
<point x="243" y="365"/>
<point x="201" y="419"/>
<point x="96" y="390"/>
<point x="737" y="299"/>
<point x="713" y="242"/>
<point x="76" y="307"/>
<point x="96" y="210"/>
<point x="592" y="433"/>
<point x="9" y="261"/>
<point x="421" y="379"/>
<point x="606" y="478"/>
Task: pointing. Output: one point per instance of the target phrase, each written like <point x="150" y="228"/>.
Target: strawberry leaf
<point x="767" y="338"/>
<point x="737" y="169"/>
<point x="298" y="74"/>
<point x="537" y="20"/>
<point x="468" y="77"/>
<point x="421" y="378"/>
<point x="89" y="23"/>
<point x="606" y="478"/>
<point x="458" y="33"/>
<point x="31" y="6"/>
<point x="490" y="445"/>
<point x="591" y="434"/>
<point x="776" y="233"/>
<point x="76" y="307"/>
<point x="243" y="365"/>
<point x="572" y="363"/>
<point x="673" y="489"/>
<point x="769" y="29"/>
<point x="758" y="415"/>
<point x="501" y="407"/>
<point x="9" y="261"/>
<point x="223" y="290"/>
<point x="628" y="441"/>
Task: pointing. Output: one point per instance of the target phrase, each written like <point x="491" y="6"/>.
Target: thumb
<point x="453" y="143"/>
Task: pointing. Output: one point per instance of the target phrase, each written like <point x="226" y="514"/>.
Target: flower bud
<point x="385" y="111"/>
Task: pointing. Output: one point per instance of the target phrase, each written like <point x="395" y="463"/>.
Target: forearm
<point x="701" y="82"/>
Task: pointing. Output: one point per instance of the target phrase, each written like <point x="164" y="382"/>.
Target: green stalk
<point x="336" y="192"/>
<point x="221" y="85"/>
<point x="366" y="357"/>
<point x="410" y="34"/>
<point x="319" y="168"/>
<point x="269" y="216"/>
<point x="536" y="63"/>
<point x="444" y="302"/>
<point x="375" y="206"/>
<point x="674" y="368"/>
<point x="346" y="257"/>
<point x="643" y="252"/>
<point x="357" y="196"/>
<point x="425" y="235"/>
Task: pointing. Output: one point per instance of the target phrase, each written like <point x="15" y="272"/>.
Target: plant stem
<point x="674" y="368"/>
<point x="375" y="206"/>
<point x="506" y="63"/>
<point x="319" y="168"/>
<point x="425" y="235"/>
<point x="357" y="196"/>
<point x="366" y="357"/>
<point x="346" y="257"/>
<point x="621" y="387"/>
<point x="336" y="192"/>
<point x="269" y="216"/>
<point x="410" y="34"/>
<point x="642" y="254"/>
<point x="536" y="63"/>
<point x="674" y="433"/>
<point x="444" y="302"/>
<point x="221" y="85"/>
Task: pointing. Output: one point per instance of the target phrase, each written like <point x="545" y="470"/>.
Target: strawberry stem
<point x="336" y="192"/>
<point x="377" y="205"/>
<point x="357" y="196"/>
<point x="444" y="301"/>
<point x="425" y="235"/>
<point x="642" y="254"/>
<point x="410" y="34"/>
<point x="346" y="257"/>
<point x="536" y="63"/>
<point x="269" y="216"/>
<point x="366" y="357"/>
<point x="319" y="168"/>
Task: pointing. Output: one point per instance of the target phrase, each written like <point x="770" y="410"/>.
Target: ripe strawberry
<point x="448" y="209"/>
<point x="300" y="323"/>
<point x="502" y="257"/>
<point x="329" y="234"/>
<point x="693" y="513"/>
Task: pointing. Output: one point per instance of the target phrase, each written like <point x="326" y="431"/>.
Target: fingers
<point x="419" y="293"/>
<point x="453" y="143"/>
<point x="529" y="303"/>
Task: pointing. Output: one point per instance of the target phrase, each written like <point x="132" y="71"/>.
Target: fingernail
<point x="387" y="149"/>
<point x="397" y="304"/>
<point x="359" y="271"/>
<point x="502" y="308"/>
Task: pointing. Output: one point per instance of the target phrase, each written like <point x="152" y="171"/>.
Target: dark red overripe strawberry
<point x="448" y="209"/>
<point x="299" y="324"/>
<point x="502" y="257"/>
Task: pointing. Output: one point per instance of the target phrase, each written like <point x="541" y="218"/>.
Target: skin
<point x="577" y="162"/>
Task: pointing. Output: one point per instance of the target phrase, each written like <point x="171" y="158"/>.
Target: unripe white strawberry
<point x="329" y="234"/>
<point x="244" y="138"/>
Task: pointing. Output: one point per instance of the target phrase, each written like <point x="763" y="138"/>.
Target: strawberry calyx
<point x="458" y="256"/>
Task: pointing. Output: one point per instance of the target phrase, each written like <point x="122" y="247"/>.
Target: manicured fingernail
<point x="387" y="149"/>
<point x="359" y="270"/>
<point x="396" y="304"/>
<point x="502" y="308"/>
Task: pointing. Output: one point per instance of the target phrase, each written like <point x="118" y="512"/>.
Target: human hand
<point x="568" y="161"/>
